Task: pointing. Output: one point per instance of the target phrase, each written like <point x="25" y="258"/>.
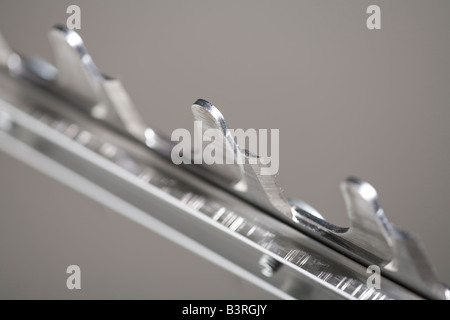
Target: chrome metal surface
<point x="73" y="120"/>
<point x="105" y="98"/>
<point x="151" y="188"/>
<point x="370" y="239"/>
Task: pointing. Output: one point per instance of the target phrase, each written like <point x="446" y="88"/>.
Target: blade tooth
<point x="76" y="69"/>
<point x="369" y="228"/>
<point x="403" y="254"/>
<point x="105" y="98"/>
<point x="211" y="118"/>
<point x="244" y="173"/>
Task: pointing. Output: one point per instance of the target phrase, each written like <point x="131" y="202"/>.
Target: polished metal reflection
<point x="84" y="112"/>
<point x="234" y="221"/>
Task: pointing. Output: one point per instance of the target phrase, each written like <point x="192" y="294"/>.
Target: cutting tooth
<point x="402" y="254"/>
<point x="211" y="118"/>
<point x="245" y="172"/>
<point x="369" y="228"/>
<point x="105" y="98"/>
<point x="76" y="70"/>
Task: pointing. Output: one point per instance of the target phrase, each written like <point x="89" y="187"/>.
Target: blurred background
<point x="348" y="101"/>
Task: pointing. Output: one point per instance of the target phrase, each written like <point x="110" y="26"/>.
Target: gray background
<point x="347" y="101"/>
